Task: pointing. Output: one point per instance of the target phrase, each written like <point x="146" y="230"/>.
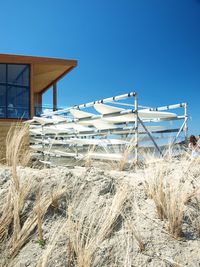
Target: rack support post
<point x="136" y="128"/>
<point x="186" y="121"/>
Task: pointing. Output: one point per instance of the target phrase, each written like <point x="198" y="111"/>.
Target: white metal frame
<point x="138" y="120"/>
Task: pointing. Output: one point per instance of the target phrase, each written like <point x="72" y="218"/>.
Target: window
<point x="2" y="73"/>
<point x="18" y="74"/>
<point x="14" y="91"/>
<point x="2" y="101"/>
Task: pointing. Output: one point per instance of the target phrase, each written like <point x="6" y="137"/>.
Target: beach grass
<point x="93" y="217"/>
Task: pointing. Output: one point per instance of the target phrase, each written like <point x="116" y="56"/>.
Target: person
<point x="193" y="146"/>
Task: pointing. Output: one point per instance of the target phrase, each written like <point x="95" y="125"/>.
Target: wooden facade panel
<point x="40" y="69"/>
<point x="7" y="58"/>
<point x="45" y="77"/>
<point x="38" y="99"/>
<point x="4" y="128"/>
<point x="3" y="133"/>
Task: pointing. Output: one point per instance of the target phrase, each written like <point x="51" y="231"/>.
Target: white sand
<point x="92" y="190"/>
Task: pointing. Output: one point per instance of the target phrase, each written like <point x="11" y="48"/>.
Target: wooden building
<point x="23" y="80"/>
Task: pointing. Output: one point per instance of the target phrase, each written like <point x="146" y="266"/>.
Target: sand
<point x="101" y="217"/>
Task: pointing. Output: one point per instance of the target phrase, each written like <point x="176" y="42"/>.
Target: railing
<point x="14" y="112"/>
<point x="18" y="112"/>
<point x="39" y="110"/>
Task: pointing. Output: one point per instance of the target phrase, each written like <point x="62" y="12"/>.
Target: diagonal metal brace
<point x="146" y="130"/>
<point x="180" y="130"/>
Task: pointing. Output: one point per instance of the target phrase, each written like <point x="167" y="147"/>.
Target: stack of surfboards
<point x="111" y="129"/>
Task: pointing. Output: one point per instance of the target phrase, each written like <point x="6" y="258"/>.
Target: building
<point x="23" y="80"/>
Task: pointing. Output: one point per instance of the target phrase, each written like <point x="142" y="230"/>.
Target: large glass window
<point x="18" y="74"/>
<point x="14" y="91"/>
<point x="2" y="101"/>
<point x="2" y="73"/>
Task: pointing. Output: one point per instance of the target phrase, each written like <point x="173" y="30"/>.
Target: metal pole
<point x="55" y="96"/>
<point x="155" y="144"/>
<point x="180" y="130"/>
<point x="136" y="128"/>
<point x="91" y="104"/>
<point x="175" y="106"/>
<point x="186" y="121"/>
<point x="43" y="145"/>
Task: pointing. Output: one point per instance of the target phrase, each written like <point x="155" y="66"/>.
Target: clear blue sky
<point x="151" y="46"/>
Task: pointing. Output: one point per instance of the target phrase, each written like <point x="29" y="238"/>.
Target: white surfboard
<point x="143" y="114"/>
<point x="79" y="114"/>
<point x="35" y="131"/>
<point x="98" y="142"/>
<point x="82" y="128"/>
<point x="59" y="119"/>
<point x="43" y="120"/>
<point x="105" y="156"/>
<point x="103" y="125"/>
<point x="107" y="109"/>
<point x="56" y="130"/>
<point x="66" y="128"/>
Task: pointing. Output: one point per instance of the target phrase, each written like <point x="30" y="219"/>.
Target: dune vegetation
<point x="89" y="216"/>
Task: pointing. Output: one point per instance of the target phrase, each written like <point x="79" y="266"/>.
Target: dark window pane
<point x="2" y="101"/>
<point x="18" y="74"/>
<point x="18" y="102"/>
<point x="14" y="91"/>
<point x="2" y="73"/>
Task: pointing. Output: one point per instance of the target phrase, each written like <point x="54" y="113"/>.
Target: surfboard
<point x="98" y="142"/>
<point x="107" y="109"/>
<point x="103" y="125"/>
<point x="79" y="114"/>
<point x="143" y="114"/>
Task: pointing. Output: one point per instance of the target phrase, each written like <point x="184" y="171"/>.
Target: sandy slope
<point x="105" y="217"/>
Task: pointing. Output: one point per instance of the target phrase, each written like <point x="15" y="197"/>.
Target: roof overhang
<point x="45" y="71"/>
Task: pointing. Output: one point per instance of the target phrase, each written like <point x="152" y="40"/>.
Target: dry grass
<point x="18" y="190"/>
<point x="167" y="186"/>
<point x="12" y="219"/>
<point x="124" y="163"/>
<point x="193" y="198"/>
<point x="44" y="260"/>
<point x="133" y="233"/>
<point x="194" y="213"/>
<point x="168" y="198"/>
<point x="16" y="151"/>
<point x="15" y="142"/>
<point x="32" y="222"/>
<point x="125" y="156"/>
<point x="5" y="127"/>
<point x="91" y="222"/>
<point x="39" y="216"/>
<point x="175" y="211"/>
<point x="88" y="157"/>
<point x="99" y="228"/>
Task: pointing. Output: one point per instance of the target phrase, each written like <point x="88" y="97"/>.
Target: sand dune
<point x="94" y="217"/>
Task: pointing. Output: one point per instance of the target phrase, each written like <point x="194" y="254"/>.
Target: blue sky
<point x="150" y="46"/>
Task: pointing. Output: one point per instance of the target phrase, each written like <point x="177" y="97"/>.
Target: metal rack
<point x="49" y="120"/>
